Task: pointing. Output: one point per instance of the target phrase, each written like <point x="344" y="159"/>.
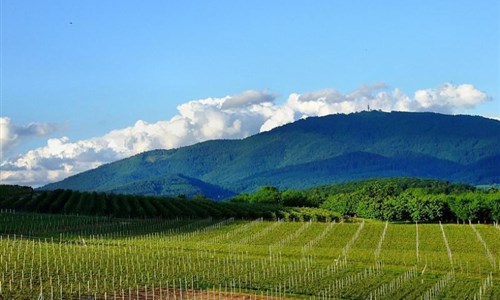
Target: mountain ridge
<point x="341" y="146"/>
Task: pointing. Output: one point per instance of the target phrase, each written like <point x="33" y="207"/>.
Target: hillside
<point x="313" y="151"/>
<point x="173" y="185"/>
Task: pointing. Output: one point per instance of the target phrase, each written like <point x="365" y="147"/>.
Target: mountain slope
<point x="350" y="166"/>
<point x="172" y="185"/>
<point x="319" y="150"/>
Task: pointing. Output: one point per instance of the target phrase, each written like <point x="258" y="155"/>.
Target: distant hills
<point x="310" y="152"/>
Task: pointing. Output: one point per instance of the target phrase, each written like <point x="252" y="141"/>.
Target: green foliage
<point x="391" y="199"/>
<point x="266" y="194"/>
<point x="310" y="214"/>
<point x="71" y="204"/>
<point x="422" y="207"/>
<point x="301" y="198"/>
<point x="395" y="209"/>
<point x="10" y="194"/>
<point x="467" y="206"/>
<point x="396" y="185"/>
<point x="44" y="204"/>
<point x="494" y="205"/>
<point x="58" y="204"/>
<point x="398" y="199"/>
<point x="341" y="203"/>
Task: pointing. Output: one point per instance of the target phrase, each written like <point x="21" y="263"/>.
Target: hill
<point x="314" y="151"/>
<point x="176" y="184"/>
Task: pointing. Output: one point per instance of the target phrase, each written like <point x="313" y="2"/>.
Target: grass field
<point x="71" y="257"/>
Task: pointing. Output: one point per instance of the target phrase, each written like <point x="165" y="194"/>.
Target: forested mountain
<point x="309" y="152"/>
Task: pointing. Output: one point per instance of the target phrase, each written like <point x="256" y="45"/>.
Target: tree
<point x="294" y="198"/>
<point x="70" y="205"/>
<point x="493" y="204"/>
<point x="434" y="208"/>
<point x="395" y="209"/>
<point x="371" y="199"/>
<point x="58" y="204"/>
<point x="414" y="205"/>
<point x="422" y="206"/>
<point x="466" y="207"/>
<point x="340" y="203"/>
<point x="267" y="194"/>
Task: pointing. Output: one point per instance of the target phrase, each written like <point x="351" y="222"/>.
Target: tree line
<point x="393" y="199"/>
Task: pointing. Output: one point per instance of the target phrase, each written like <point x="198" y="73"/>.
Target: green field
<point x="71" y="257"/>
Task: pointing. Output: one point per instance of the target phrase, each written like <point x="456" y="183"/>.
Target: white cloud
<point x="11" y="135"/>
<point x="248" y="98"/>
<point x="448" y="98"/>
<point x="494" y="117"/>
<point x="230" y="117"/>
<point x="280" y="116"/>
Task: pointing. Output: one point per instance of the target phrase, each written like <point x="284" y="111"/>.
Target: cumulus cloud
<point x="11" y="134"/>
<point x="248" y="98"/>
<point x="448" y="98"/>
<point x="229" y="117"/>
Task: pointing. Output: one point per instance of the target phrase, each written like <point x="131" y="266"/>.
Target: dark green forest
<point x="391" y="199"/>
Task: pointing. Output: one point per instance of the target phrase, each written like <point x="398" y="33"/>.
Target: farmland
<point x="76" y="257"/>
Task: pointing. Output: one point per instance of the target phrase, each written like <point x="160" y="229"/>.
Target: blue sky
<point x="80" y="69"/>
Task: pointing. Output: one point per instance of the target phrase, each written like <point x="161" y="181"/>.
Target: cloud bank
<point x="230" y="117"/>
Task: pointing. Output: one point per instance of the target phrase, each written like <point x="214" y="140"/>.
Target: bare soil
<point x="177" y="294"/>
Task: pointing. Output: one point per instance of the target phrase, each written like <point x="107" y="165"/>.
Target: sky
<point x="85" y="83"/>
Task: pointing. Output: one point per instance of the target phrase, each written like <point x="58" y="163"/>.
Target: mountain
<point x="172" y="185"/>
<point x="312" y="151"/>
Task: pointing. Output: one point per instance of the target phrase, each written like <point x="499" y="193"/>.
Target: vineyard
<point x="129" y="206"/>
<point x="75" y="257"/>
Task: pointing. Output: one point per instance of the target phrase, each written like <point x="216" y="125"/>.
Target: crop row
<point x="128" y="206"/>
<point x="342" y="260"/>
